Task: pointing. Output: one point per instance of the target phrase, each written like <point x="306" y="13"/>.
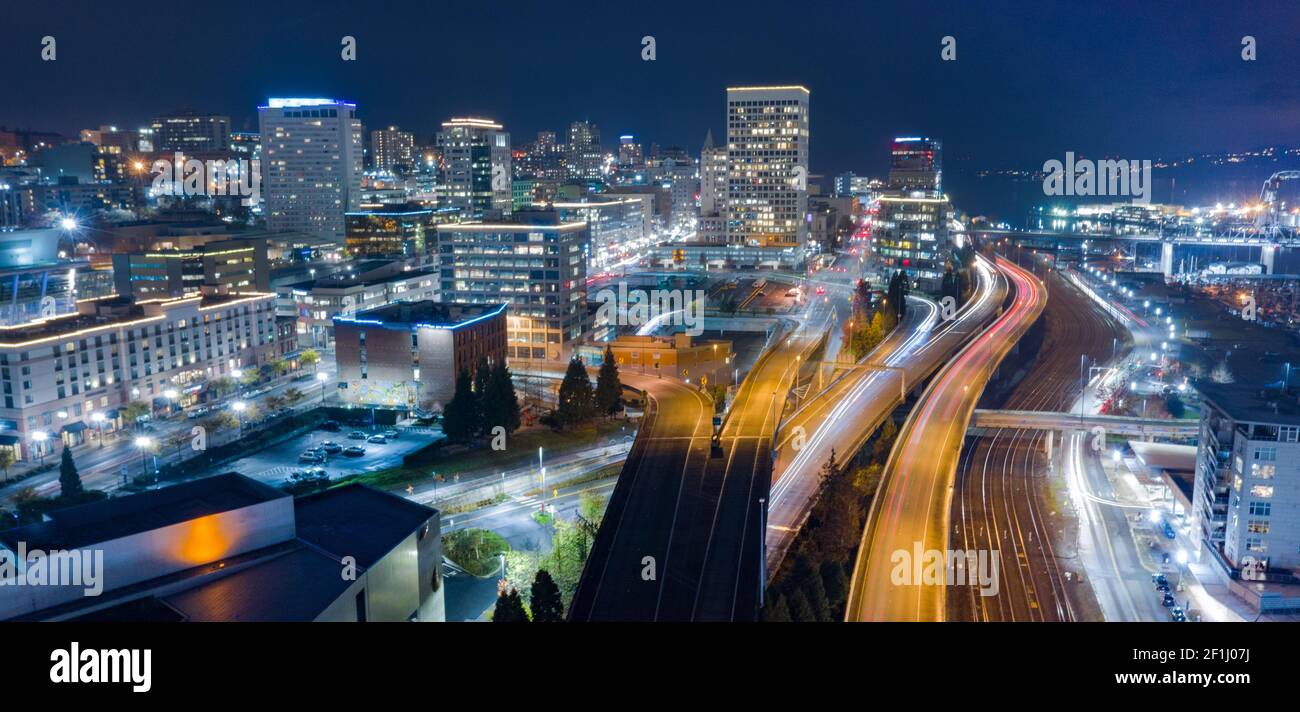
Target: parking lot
<point x="274" y="465"/>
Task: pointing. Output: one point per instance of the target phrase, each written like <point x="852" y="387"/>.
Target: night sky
<point x="1031" y="80"/>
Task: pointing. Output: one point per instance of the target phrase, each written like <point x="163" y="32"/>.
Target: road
<point x="844" y="415"/>
<point x="911" y="509"/>
<point x="682" y="537"/>
<point x="1002" y="498"/>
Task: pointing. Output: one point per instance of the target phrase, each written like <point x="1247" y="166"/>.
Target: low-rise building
<point x="228" y="548"/>
<point x="708" y="363"/>
<point x="397" y="232"/>
<point x="58" y="373"/>
<point x="409" y="354"/>
<point x="368" y="285"/>
<point x="238" y="264"/>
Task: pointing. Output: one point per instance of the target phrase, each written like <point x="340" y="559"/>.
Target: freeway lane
<point x="844" y="415"/>
<point x="641" y="516"/>
<point x="681" y="539"/>
<point x="913" y="505"/>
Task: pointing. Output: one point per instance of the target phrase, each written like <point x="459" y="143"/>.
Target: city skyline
<point x="876" y="72"/>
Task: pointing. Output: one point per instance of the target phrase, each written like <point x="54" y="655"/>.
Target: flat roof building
<point x="228" y="548"/>
<point x="409" y="354"/>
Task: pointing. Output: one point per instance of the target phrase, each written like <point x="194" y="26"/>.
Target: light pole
<point x="39" y="437"/>
<point x="98" y="417"/>
<point x="172" y="396"/>
<point x="144" y="442"/>
<point x="239" y="407"/>
<point x="322" y="377"/>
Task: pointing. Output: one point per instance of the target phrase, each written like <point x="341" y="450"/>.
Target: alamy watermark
<point x="933" y="567"/>
<point x="662" y="307"/>
<point x="58" y="567"/>
<point x="1107" y="177"/>
<point x="192" y="177"/>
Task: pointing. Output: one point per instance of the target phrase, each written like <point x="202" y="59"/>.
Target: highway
<point x="847" y="412"/>
<point x="682" y="536"/>
<point x="1002" y="501"/>
<point x="910" y="513"/>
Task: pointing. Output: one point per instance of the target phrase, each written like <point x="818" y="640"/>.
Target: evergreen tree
<point x="458" y="417"/>
<point x="577" y="400"/>
<point x="69" y="479"/>
<point x="500" y="405"/>
<point x="482" y="373"/>
<point x="609" y="390"/>
<point x="835" y="583"/>
<point x="815" y="591"/>
<point x="510" y="608"/>
<point x="545" y="596"/>
<point x="800" y="610"/>
<point x="775" y="610"/>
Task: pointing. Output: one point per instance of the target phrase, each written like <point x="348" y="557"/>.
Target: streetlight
<point x="322" y="377"/>
<point x="239" y="407"/>
<point x="40" y="436"/>
<point x="172" y="396"/>
<point x="145" y="443"/>
<point x="98" y="417"/>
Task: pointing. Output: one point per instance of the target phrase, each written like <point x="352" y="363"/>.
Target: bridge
<point x="1114" y="424"/>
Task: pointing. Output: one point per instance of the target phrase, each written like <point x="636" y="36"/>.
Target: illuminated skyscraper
<point x="390" y="148"/>
<point x="476" y="157"/>
<point x="767" y="166"/>
<point x="311" y="164"/>
<point x="916" y="163"/>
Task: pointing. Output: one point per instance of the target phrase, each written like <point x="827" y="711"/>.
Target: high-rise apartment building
<point x="191" y="133"/>
<point x="311" y="164"/>
<point x="767" y="166"/>
<point x="390" y="148"/>
<point x="630" y="155"/>
<point x="476" y="166"/>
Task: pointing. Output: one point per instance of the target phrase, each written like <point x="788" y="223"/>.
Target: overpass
<point x="1114" y="424"/>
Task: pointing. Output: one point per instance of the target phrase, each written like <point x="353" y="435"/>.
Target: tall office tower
<point x="311" y="164"/>
<point x="916" y="163"/>
<point x="191" y="133"/>
<point x="476" y="166"/>
<point x="543" y="159"/>
<point x="676" y="171"/>
<point x="390" y="148"/>
<point x="586" y="161"/>
<point x="630" y="155"/>
<point x="767" y="166"/>
<point x="713" y="177"/>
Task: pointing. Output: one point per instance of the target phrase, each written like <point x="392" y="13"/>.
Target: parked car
<point x="391" y="434"/>
<point x="331" y="447"/>
<point x="354" y="451"/>
<point x="311" y="456"/>
<point x="1168" y="600"/>
<point x="1159" y="579"/>
<point x="1162" y="587"/>
<point x="1177" y="615"/>
<point x="356" y="435"/>
<point x="331" y="425"/>
<point x="377" y="438"/>
<point x="197" y="413"/>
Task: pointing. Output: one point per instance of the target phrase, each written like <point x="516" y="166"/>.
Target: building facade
<point x="409" y="354"/>
<point x="767" y="166"/>
<point x="190" y="133"/>
<point x="390" y="148"/>
<point x="311" y="164"/>
<point x="536" y="263"/>
<point x="476" y="166"/>
<point x="238" y="265"/>
<point x="399" y="232"/>
<point x="57" y="373"/>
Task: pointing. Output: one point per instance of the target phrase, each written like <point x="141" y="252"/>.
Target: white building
<point x="767" y="166"/>
<point x="311" y="164"/>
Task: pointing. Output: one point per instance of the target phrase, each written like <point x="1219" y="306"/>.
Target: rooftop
<point x="424" y="314"/>
<point x="123" y="516"/>
<point x="110" y="311"/>
<point x="1253" y="404"/>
